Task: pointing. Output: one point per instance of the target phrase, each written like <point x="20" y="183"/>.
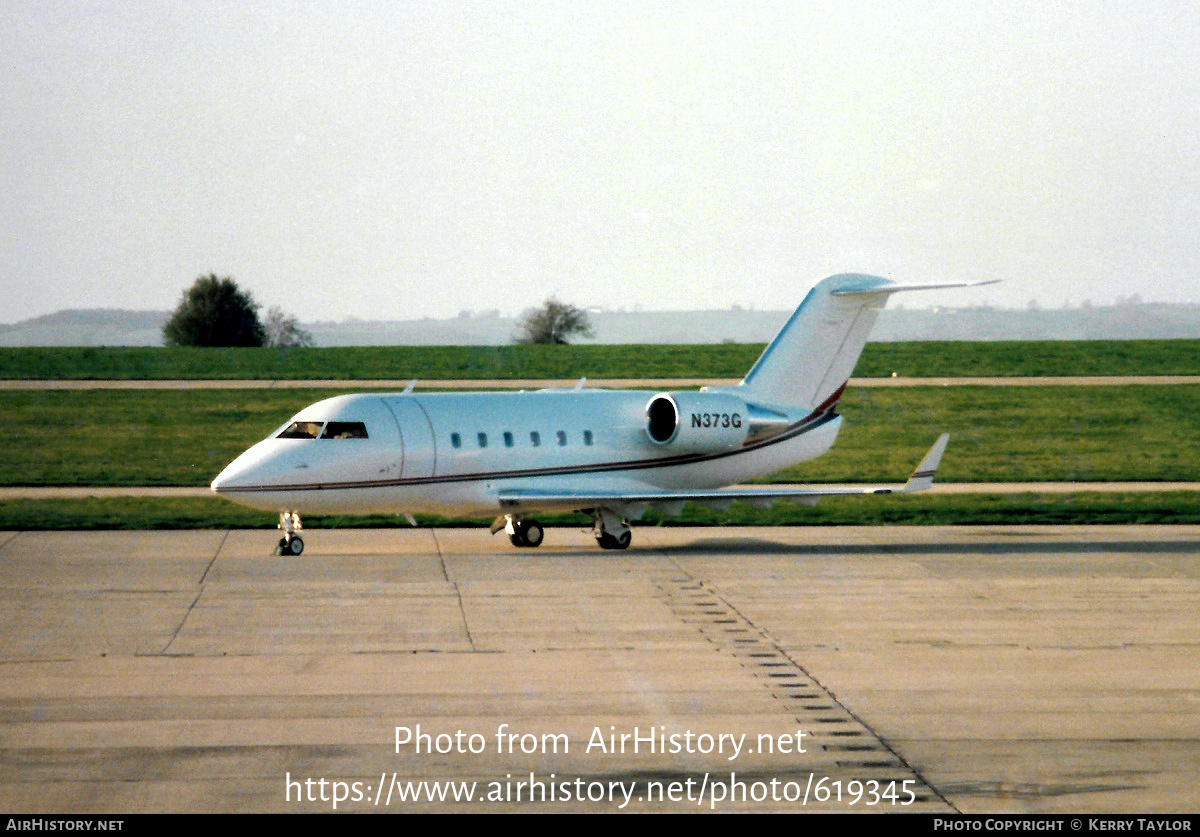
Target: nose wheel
<point x="291" y="543"/>
<point x="290" y="546"/>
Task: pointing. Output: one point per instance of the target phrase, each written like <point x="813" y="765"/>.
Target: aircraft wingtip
<point x="922" y="477"/>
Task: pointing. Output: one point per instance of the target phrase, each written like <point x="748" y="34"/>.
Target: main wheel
<point x="620" y="541"/>
<point x="534" y="533"/>
<point x="527" y="533"/>
<point x="295" y="546"/>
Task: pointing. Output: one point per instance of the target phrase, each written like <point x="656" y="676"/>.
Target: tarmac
<point x="932" y="669"/>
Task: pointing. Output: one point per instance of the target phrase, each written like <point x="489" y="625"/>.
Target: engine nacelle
<point x="700" y="422"/>
<point x="691" y="422"/>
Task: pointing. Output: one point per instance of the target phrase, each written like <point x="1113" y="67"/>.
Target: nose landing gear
<point x="291" y="543"/>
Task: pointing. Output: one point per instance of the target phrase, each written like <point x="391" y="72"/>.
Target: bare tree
<point x="284" y="331"/>
<point x="554" y="322"/>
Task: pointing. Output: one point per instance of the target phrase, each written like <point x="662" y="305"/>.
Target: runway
<point x="971" y="669"/>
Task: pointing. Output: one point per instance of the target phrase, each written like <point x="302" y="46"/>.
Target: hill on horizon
<point x="1126" y="321"/>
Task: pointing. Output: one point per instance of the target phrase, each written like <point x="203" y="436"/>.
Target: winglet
<point x="922" y="478"/>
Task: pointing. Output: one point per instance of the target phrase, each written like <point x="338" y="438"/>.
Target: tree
<point x="554" y="322"/>
<point x="215" y="312"/>
<point x="284" y="331"/>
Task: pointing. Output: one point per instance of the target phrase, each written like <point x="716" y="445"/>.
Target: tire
<point x="533" y="533"/>
<point x="608" y="541"/>
<point x="295" y="546"/>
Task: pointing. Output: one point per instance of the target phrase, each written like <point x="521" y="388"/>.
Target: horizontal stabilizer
<point x="894" y="289"/>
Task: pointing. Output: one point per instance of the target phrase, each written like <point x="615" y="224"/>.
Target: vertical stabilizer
<point x="814" y="353"/>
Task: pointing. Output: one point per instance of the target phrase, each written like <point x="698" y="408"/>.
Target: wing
<point x="671" y="502"/>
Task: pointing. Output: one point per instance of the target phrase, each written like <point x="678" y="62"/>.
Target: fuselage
<point x="455" y="453"/>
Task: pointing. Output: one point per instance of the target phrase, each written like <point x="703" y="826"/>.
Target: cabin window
<point x="301" y="430"/>
<point x="482" y="437"/>
<point x="455" y="440"/>
<point x="508" y="439"/>
<point x="562" y="437"/>
<point x="535" y="439"/>
<point x="345" y="430"/>
<point x="587" y="437"/>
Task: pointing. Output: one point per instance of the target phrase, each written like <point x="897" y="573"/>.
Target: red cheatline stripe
<point x="809" y="422"/>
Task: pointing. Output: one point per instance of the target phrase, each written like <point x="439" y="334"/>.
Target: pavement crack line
<point x="441" y="556"/>
<point x="12" y="537"/>
<point x="462" y="611"/>
<point x="199" y="593"/>
<point x="213" y="560"/>
<point x="182" y="622"/>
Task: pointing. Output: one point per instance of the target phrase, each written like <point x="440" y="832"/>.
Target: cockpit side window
<point x="301" y="430"/>
<point x="345" y="430"/>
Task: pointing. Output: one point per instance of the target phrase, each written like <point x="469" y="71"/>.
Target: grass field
<point x="916" y="359"/>
<point x="184" y="437"/>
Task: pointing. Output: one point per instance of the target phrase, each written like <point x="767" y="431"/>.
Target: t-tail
<point x="808" y="363"/>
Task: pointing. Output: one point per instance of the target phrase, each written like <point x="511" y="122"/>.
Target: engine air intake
<point x="662" y="419"/>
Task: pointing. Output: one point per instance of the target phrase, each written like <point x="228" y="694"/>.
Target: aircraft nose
<point x="259" y="468"/>
<point x="224" y="480"/>
<point x="239" y="473"/>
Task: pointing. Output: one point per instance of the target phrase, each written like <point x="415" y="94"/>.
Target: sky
<point x="397" y="160"/>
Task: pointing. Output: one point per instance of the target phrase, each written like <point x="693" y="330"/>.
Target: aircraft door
<point x="416" y="436"/>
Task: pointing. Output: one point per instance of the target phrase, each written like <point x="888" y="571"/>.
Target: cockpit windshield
<point x="345" y="430"/>
<point x="301" y="430"/>
<point x="332" y="430"/>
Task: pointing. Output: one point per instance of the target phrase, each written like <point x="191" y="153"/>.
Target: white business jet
<point x="607" y="453"/>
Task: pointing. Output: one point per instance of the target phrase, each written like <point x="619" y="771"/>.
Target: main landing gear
<point x="523" y="532"/>
<point x="291" y="543"/>
<point x="611" y="531"/>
